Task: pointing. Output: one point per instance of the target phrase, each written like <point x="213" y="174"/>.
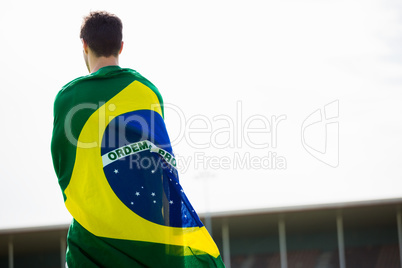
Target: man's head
<point x="102" y="33"/>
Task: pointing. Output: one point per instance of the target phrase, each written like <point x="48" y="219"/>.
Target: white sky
<point x="214" y="63"/>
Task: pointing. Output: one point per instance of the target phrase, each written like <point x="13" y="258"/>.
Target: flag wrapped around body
<point x="117" y="171"/>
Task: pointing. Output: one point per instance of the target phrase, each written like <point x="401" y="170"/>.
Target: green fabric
<point x="87" y="94"/>
<point x="86" y="250"/>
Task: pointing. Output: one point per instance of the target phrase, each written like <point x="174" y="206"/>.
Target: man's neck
<point x="101" y="62"/>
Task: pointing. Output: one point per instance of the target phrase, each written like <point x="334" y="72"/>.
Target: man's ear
<point x="85" y="46"/>
<point x="121" y="48"/>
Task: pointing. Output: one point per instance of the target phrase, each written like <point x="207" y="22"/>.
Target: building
<point x="366" y="234"/>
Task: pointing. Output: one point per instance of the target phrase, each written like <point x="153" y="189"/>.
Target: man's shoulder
<point x="82" y="81"/>
<point x="103" y="73"/>
<point x="74" y="81"/>
<point x="140" y="78"/>
<point x="107" y="75"/>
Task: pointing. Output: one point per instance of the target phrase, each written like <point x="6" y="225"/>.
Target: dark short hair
<point x="102" y="32"/>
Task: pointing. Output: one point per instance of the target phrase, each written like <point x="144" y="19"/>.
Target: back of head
<point x="102" y="32"/>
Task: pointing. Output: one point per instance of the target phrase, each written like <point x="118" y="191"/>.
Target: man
<point x="116" y="168"/>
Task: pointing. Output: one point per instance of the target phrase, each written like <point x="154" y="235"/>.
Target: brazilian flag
<point x="117" y="172"/>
